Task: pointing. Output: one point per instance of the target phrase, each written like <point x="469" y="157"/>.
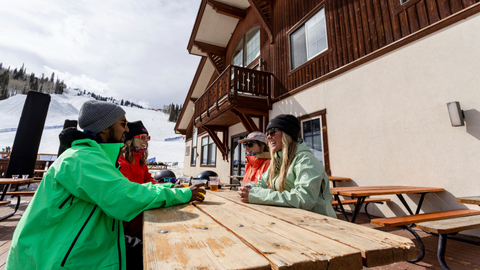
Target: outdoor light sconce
<point x="456" y="114"/>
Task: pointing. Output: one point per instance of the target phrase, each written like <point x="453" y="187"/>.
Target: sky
<point x="133" y="50"/>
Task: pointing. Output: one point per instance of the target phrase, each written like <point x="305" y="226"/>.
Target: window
<point x="248" y="48"/>
<point x="193" y="158"/>
<point x="312" y="135"/>
<point x="209" y="150"/>
<point x="238" y="156"/>
<point x="309" y="40"/>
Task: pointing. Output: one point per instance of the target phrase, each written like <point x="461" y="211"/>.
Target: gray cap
<point x="96" y="116"/>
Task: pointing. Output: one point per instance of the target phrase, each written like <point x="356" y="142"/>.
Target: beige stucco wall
<point x="388" y="123"/>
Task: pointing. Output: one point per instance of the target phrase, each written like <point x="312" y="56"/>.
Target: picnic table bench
<point x="7" y="182"/>
<point x="223" y="233"/>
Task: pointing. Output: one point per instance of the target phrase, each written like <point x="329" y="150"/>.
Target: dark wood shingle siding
<point x="355" y="29"/>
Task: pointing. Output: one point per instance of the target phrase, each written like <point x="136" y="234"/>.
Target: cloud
<point x="133" y="50"/>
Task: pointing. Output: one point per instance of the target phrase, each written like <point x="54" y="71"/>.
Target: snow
<point x="67" y="106"/>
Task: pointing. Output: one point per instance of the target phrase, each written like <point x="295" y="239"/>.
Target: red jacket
<point x="256" y="166"/>
<point x="135" y="172"/>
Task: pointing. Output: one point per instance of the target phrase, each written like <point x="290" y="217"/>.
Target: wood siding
<point x="355" y="28"/>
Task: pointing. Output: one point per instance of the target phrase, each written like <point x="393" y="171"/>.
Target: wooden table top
<point x="339" y="178"/>
<point x="223" y="233"/>
<point x="381" y="190"/>
<point x="469" y="200"/>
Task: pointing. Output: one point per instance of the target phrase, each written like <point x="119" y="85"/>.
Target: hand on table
<point x="198" y="192"/>
<point x="243" y="193"/>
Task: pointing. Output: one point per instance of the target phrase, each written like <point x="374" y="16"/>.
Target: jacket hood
<point x="71" y="134"/>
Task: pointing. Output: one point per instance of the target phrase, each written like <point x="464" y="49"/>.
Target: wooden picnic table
<point x="365" y="191"/>
<point x="224" y="233"/>
<point x="469" y="200"/>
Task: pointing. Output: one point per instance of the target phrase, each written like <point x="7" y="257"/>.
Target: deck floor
<point x="459" y="255"/>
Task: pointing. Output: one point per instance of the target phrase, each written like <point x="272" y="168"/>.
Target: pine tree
<point x="53" y="76"/>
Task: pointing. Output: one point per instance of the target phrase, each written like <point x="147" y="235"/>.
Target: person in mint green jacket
<point x="74" y="220"/>
<point x="295" y="177"/>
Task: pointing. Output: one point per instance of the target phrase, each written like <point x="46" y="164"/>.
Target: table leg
<point x="341" y="207"/>
<point x="419" y="206"/>
<point x="358" y="206"/>
<point x="4" y="192"/>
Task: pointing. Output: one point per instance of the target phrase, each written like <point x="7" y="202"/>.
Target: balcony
<point x="235" y="94"/>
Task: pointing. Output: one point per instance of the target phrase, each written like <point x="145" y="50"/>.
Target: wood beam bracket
<point x="222" y="146"/>
<point x="215" y="54"/>
<point x="260" y="12"/>
<point x="227" y="10"/>
<point x="246" y="120"/>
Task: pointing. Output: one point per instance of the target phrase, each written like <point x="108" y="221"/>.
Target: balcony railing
<point x="230" y="85"/>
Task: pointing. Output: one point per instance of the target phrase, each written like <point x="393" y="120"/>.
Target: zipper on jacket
<point x="113" y="225"/>
<point x="119" y="248"/>
<point x="66" y="200"/>
<point x="78" y="235"/>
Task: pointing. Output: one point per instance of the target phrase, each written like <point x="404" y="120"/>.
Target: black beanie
<point x="135" y="128"/>
<point x="287" y="123"/>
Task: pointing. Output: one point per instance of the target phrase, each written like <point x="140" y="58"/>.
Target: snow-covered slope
<point x="66" y="106"/>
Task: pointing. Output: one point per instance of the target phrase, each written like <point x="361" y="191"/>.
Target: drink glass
<point x="15" y="176"/>
<point x="24" y="176"/>
<point x="214" y="182"/>
<point x="247" y="184"/>
<point x="184" y="180"/>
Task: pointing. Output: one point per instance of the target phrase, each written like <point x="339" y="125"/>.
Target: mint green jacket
<point x="306" y="186"/>
<point x="74" y="221"/>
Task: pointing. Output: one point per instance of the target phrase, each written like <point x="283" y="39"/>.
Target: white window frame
<point x="304" y="27"/>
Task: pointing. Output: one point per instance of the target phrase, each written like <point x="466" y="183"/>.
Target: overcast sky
<point x="135" y="50"/>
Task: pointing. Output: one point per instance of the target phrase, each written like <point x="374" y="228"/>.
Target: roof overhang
<point x="200" y="82"/>
<point x="216" y="21"/>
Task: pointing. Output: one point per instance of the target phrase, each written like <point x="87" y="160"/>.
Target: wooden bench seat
<point x="367" y="200"/>
<point x="448" y="226"/>
<point x="4" y="202"/>
<point x="406" y="221"/>
<point x="412" y="219"/>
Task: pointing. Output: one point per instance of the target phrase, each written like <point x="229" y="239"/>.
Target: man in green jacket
<point x="74" y="221"/>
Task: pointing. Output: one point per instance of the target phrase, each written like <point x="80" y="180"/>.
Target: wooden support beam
<point x="227" y="10"/>
<point x="221" y="146"/>
<point x="193" y="99"/>
<point x="247" y="121"/>
<point x="209" y="48"/>
<point x="217" y="68"/>
<point x="265" y="23"/>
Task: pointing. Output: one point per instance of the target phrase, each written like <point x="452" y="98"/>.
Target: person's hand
<point x="198" y="192"/>
<point x="243" y="193"/>
<point x="177" y="185"/>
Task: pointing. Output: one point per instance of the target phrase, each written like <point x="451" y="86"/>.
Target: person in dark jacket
<point x="74" y="220"/>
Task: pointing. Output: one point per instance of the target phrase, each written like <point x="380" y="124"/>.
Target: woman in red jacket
<point x="257" y="156"/>
<point x="132" y="165"/>
<point x="134" y="154"/>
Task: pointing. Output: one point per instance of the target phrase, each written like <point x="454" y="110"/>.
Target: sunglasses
<point x="168" y="180"/>
<point x="143" y="137"/>
<point x="271" y="132"/>
<point x="249" y="144"/>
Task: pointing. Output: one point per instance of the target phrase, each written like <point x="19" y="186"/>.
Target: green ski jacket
<point x="74" y="221"/>
<point x="306" y="185"/>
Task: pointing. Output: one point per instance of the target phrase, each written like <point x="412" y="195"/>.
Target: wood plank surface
<point x="469" y="200"/>
<point x="412" y="219"/>
<point x="377" y="247"/>
<point x="285" y="245"/>
<point x="387" y="190"/>
<point x="452" y="225"/>
<point x="188" y="246"/>
<point x="339" y="178"/>
<point x="4" y="202"/>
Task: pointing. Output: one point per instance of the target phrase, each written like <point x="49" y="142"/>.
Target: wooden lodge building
<point x="369" y="79"/>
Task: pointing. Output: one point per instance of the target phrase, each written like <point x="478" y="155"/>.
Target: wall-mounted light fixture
<point x="456" y="114"/>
